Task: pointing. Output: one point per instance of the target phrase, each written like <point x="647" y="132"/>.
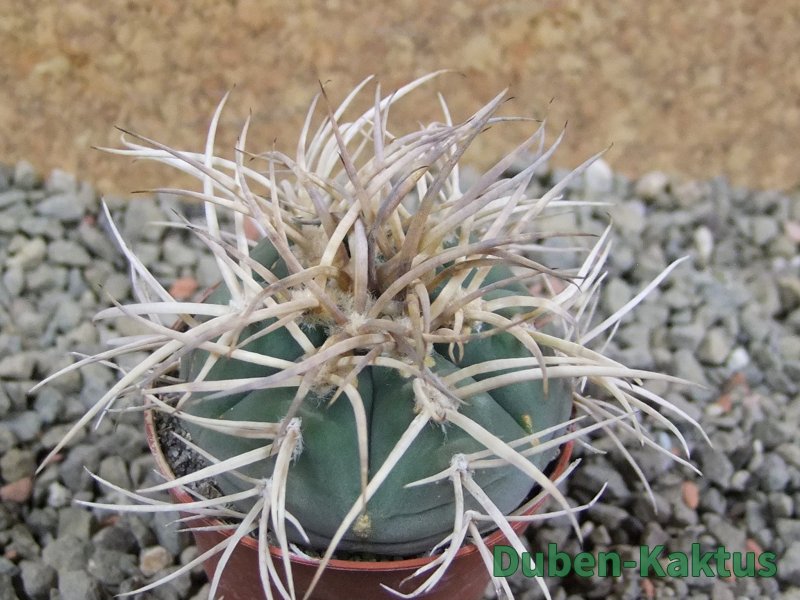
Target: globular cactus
<point x="374" y="372"/>
<point x="326" y="477"/>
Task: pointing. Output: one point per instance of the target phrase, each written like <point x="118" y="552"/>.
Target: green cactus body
<point x="323" y="481"/>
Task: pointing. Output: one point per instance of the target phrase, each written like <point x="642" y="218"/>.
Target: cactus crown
<point x="374" y="372"/>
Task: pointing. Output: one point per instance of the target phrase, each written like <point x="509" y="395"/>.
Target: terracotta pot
<point x="466" y="579"/>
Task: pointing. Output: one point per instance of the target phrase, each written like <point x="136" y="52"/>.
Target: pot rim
<point x="496" y="537"/>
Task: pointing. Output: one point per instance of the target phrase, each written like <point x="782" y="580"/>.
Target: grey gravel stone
<point x="789" y="570"/>
<point x="623" y="260"/>
<point x="686" y="366"/>
<point x="97" y="273"/>
<point x="7" y="438"/>
<point x="690" y="193"/>
<point x="114" y="470"/>
<point x="67" y="553"/>
<point x="30" y="323"/>
<point x="68" y="315"/>
<point x="116" y="537"/>
<point x="10" y="197"/>
<point x="17" y="366"/>
<point x="75" y="521"/>
<point x="630" y="218"/>
<point x="652" y="186"/>
<point x="716" y="346"/>
<point x="16" y="464"/>
<point x="17" y="394"/>
<point x="46" y="277"/>
<point x="35" y="226"/>
<point x="686" y="336"/>
<point x="150" y="253"/>
<point x="646" y="508"/>
<point x="615" y="295"/>
<point x="677" y="298"/>
<point x="25" y="176"/>
<point x="29" y="254"/>
<point x="725" y="533"/>
<point x="789" y="292"/>
<point x="790" y="452"/>
<point x="789" y="347"/>
<point x="682" y="515"/>
<point x="10" y="218"/>
<point x="7" y="567"/>
<point x="141" y="529"/>
<point x="721" y="592"/>
<point x="23" y="543"/>
<point x="79" y="585"/>
<point x="764" y="229"/>
<point x="5" y="403"/>
<point x="25" y="425"/>
<point x="72" y="470"/>
<point x="112" y="567"/>
<point x="117" y="286"/>
<point x="168" y="534"/>
<point x="49" y="404"/>
<point x="712" y="500"/>
<point x="139" y="216"/>
<point x="765" y="294"/>
<point x="609" y="515"/>
<point x="654" y="535"/>
<point x="67" y="252"/>
<point x="593" y="477"/>
<point x="773" y="474"/>
<point x="96" y="241"/>
<point x="76" y="286"/>
<point x="14" y="280"/>
<point x="37" y="579"/>
<point x="207" y="272"/>
<point x="716" y="466"/>
<point x="178" y="253"/>
<point x="7" y="588"/>
<point x="61" y="181"/>
<point x="788" y="530"/>
<point x="6" y="518"/>
<point x="740" y="480"/>
<point x="67" y="207"/>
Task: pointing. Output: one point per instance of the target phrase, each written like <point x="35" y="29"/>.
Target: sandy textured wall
<point x="698" y="88"/>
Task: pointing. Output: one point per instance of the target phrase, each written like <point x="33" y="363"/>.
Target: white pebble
<point x="154" y="559"/>
<point x="703" y="245"/>
<point x="598" y="178"/>
<point x="738" y="359"/>
<point x="651" y="185"/>
<point x="58" y="496"/>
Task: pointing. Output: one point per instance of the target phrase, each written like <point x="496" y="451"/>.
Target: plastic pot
<point x="466" y="579"/>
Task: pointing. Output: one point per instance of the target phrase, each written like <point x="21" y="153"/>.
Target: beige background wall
<point x="690" y="87"/>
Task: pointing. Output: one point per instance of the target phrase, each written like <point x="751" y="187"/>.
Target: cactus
<point x="374" y="372"/>
<point x="326" y="479"/>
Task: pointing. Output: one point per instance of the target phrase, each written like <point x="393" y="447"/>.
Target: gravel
<point x="728" y="318"/>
